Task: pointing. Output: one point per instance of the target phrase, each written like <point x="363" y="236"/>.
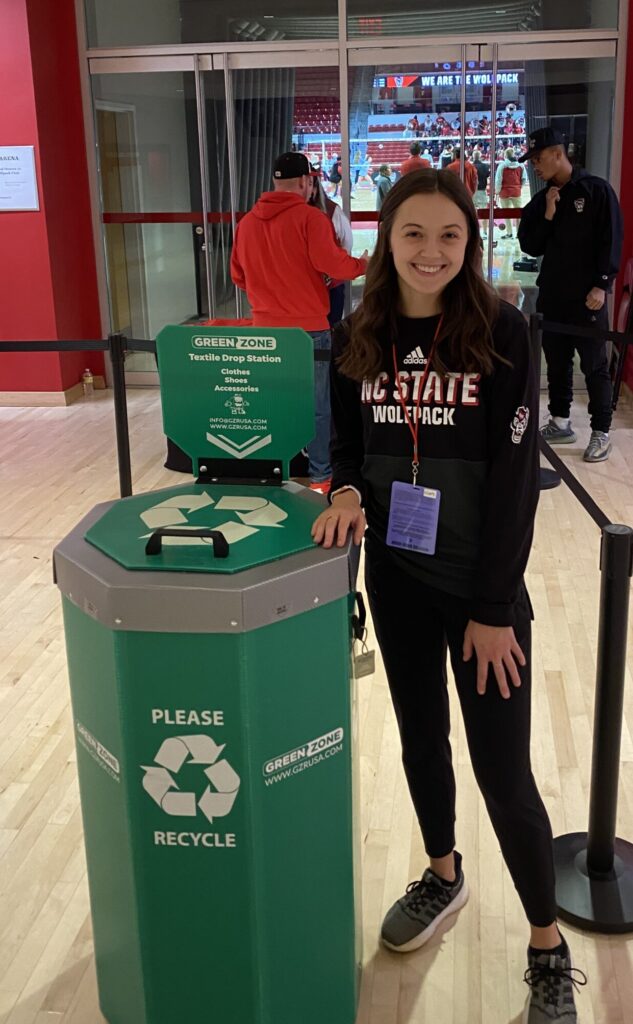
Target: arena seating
<point x="317" y="109"/>
<point x="317" y="115"/>
<point x="389" y="126"/>
<point x="389" y="152"/>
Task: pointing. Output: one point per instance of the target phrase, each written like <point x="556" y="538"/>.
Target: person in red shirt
<point x="415" y="162"/>
<point x="509" y="181"/>
<point x="283" y="252"/>
<point x="470" y="171"/>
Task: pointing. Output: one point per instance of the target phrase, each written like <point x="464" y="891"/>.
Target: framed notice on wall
<point x="18" y="182"/>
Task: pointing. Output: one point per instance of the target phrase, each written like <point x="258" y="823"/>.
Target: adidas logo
<point x="416" y="357"/>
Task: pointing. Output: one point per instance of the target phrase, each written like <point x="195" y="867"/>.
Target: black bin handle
<point x="220" y="543"/>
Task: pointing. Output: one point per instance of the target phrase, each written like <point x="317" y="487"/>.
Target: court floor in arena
<point x="57" y="464"/>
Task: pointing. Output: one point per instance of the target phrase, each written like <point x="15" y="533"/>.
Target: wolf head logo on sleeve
<point x="519" y="424"/>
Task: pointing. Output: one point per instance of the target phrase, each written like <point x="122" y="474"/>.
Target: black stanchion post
<point x="117" y="351"/>
<point x="549" y="478"/>
<point x="615" y="566"/>
<point x="594" y="870"/>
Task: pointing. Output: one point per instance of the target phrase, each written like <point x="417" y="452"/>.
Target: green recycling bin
<point x="209" y="659"/>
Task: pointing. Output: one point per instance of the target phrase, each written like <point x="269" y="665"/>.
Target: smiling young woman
<point x="450" y="244"/>
<point x="434" y="451"/>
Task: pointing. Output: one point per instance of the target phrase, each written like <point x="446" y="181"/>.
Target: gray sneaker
<point x="552" y="980"/>
<point x="554" y="434"/>
<point x="598" y="448"/>
<point x="414" y="918"/>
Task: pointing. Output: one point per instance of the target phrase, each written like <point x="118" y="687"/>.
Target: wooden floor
<point x="56" y="464"/>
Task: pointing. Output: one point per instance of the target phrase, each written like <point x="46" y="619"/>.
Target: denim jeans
<point x="319" y="448"/>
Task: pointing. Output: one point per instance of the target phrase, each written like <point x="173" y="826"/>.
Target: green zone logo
<point x="309" y="754"/>
<point x="103" y="757"/>
<point x="215" y="783"/>
<point x="251" y="514"/>
<point x="243" y="343"/>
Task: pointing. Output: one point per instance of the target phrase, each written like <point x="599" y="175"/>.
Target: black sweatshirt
<point x="581" y="247"/>
<point x="478" y="447"/>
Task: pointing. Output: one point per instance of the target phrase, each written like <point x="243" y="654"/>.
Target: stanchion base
<point x="596" y="904"/>
<point x="549" y="478"/>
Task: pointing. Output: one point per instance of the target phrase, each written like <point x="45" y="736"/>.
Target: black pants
<point x="337" y="305"/>
<point x="414" y="626"/>
<point x="559" y="356"/>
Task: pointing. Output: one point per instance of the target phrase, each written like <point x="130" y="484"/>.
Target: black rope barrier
<point x="139" y="345"/>
<point x="130" y="345"/>
<point x="552" y="327"/>
<point x="594" y="869"/>
<point x="118" y="345"/>
<point x="564" y="473"/>
<point x="620" y="338"/>
<point x="55" y="346"/>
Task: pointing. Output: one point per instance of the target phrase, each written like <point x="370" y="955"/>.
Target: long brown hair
<point x="469" y="304"/>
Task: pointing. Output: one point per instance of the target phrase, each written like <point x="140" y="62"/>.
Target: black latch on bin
<point x="220" y="543"/>
<point x="262" y="472"/>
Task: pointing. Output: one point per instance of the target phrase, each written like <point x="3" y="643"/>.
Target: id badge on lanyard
<point x="414" y="510"/>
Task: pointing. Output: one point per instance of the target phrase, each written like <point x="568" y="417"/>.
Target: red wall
<point x="48" y="287"/>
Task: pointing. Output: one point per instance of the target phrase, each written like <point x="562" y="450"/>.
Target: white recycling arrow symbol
<point x="253" y="513"/>
<point x="173" y="753"/>
<point x="167" y="513"/>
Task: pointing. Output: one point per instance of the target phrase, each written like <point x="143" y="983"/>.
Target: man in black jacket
<point x="575" y="224"/>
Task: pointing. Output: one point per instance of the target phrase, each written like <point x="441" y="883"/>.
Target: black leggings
<point x="414" y="626"/>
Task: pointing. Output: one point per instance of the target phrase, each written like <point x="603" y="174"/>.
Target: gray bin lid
<point x="195" y="601"/>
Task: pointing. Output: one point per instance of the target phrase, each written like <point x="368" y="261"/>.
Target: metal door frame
<point x="344" y="52"/>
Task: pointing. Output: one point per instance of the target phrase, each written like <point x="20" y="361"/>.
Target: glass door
<point x="401" y="103"/>
<point x="186" y="145"/>
<point x="216" y="147"/>
<point x="570" y="87"/>
<point x="166" y="214"/>
<point x="475" y="104"/>
<point x="283" y="102"/>
<point x="151" y="198"/>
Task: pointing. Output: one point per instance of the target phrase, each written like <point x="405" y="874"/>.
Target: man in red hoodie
<point x="283" y="251"/>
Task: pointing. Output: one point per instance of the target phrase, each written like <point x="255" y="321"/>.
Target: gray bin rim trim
<point x="167" y="602"/>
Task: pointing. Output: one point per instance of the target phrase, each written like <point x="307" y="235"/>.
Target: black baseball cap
<point x="291" y="165"/>
<point x="541" y="139"/>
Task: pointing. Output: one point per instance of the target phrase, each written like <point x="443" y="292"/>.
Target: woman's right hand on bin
<point x="343" y="515"/>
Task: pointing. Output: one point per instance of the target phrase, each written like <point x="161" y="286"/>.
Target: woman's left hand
<point x="496" y="646"/>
